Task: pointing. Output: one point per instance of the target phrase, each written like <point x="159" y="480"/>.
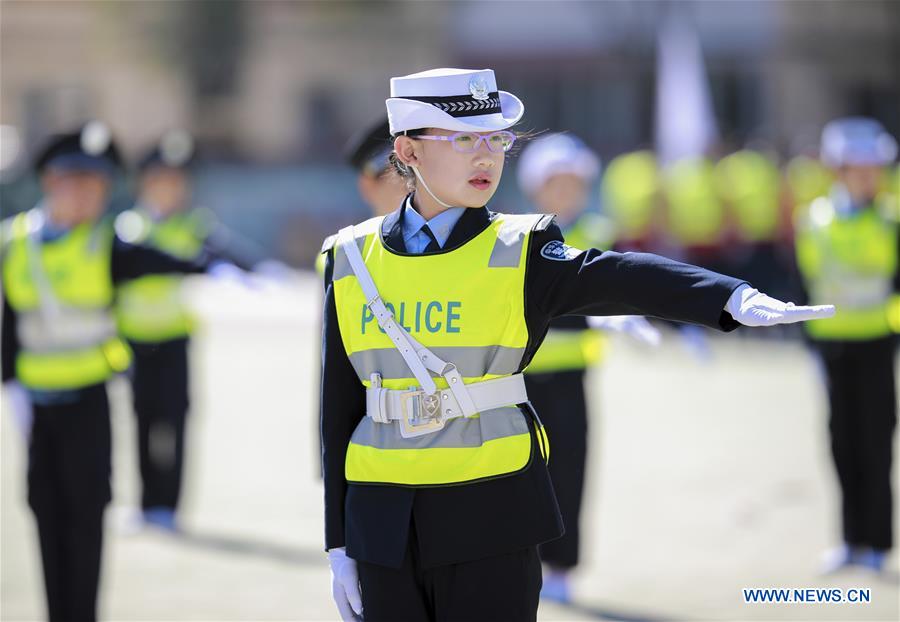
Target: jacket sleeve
<point x="10" y="342"/>
<point x="130" y="261"/>
<point x="223" y="244"/>
<point x="595" y="282"/>
<point x="343" y="405"/>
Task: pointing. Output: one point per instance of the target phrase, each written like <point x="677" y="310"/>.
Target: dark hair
<point x="405" y="173"/>
<point x="399" y="168"/>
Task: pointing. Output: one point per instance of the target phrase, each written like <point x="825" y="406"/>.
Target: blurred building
<point x="270" y="84"/>
<point x="279" y="79"/>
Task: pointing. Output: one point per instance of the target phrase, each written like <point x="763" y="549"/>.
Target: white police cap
<point x="856" y="141"/>
<point x="556" y="154"/>
<point x="459" y="100"/>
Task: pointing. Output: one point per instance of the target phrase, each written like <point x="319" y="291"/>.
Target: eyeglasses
<point x="470" y="142"/>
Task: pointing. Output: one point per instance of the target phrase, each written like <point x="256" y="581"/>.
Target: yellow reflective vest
<point x="574" y="349"/>
<point x="807" y="178"/>
<point x="696" y="216"/>
<point x="62" y="293"/>
<point x="750" y="183"/>
<point x="150" y="309"/>
<point x="630" y="191"/>
<point x="467" y="306"/>
<point x="850" y="261"/>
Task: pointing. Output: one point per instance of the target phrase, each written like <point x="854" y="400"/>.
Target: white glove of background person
<point x="226" y="272"/>
<point x="19" y="405"/>
<point x="345" y="585"/>
<point x="274" y="271"/>
<point x="753" y="308"/>
<point x="635" y="326"/>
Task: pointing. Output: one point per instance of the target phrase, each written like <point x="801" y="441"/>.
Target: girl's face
<point x="459" y="179"/>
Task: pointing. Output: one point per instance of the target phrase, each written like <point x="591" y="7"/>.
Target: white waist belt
<point x="425" y="413"/>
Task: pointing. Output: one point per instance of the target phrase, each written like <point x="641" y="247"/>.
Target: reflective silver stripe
<point x="361" y="232"/>
<point x="70" y="329"/>
<point x="342" y="264"/>
<point x="513" y="231"/>
<point x="473" y="432"/>
<point x="471" y="361"/>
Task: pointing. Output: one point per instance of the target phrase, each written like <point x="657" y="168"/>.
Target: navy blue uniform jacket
<point x="462" y="523"/>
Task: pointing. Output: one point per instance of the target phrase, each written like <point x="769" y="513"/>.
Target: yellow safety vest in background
<point x="695" y="212"/>
<point x="807" y="179"/>
<point x="574" y="349"/>
<point x="629" y="191"/>
<point x="62" y="293"/>
<point x="750" y="183"/>
<point x="850" y="261"/>
<point x="465" y="305"/>
<point x="150" y="309"/>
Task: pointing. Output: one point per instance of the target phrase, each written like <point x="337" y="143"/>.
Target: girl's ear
<point x="406" y="149"/>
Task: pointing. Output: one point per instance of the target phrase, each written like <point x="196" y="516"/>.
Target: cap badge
<point x="478" y="88"/>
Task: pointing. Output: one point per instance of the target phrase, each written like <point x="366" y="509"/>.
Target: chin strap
<point x="424" y="185"/>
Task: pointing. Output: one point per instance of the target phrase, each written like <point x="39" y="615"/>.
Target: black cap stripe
<point x="462" y="105"/>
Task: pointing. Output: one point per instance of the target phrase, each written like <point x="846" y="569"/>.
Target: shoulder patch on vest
<point x="555" y="250"/>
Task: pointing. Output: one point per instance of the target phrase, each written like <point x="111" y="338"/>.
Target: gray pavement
<point x="705" y="477"/>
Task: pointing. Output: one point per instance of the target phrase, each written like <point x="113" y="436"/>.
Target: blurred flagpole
<point x="685" y="122"/>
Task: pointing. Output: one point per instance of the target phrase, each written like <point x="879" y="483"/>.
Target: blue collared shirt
<point x="441" y="225"/>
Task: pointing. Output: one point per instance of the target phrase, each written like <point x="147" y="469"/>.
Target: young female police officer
<point x="436" y="484"/>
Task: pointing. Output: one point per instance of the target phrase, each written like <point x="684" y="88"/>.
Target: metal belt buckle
<point x="421" y="413"/>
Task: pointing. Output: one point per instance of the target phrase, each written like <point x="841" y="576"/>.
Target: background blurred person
<point x="630" y="197"/>
<point x="152" y="315"/>
<point x="368" y="153"/>
<point x="695" y="217"/>
<point x="749" y="183"/>
<point x="557" y="172"/>
<point x="62" y="264"/>
<point x="848" y="246"/>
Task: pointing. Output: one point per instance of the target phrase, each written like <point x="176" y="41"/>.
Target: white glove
<point x="274" y="270"/>
<point x="753" y="308"/>
<point x="635" y="326"/>
<point x="345" y="585"/>
<point x="20" y="406"/>
<point x="225" y="271"/>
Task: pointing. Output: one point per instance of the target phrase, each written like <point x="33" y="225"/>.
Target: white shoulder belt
<point x="424" y="410"/>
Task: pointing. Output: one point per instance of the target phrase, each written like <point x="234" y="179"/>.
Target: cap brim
<point x="410" y="114"/>
<point x="80" y="162"/>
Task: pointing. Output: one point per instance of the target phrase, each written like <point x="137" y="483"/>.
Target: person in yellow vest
<point x="848" y="252"/>
<point x="436" y="484"/>
<point x="695" y="215"/>
<point x="807" y="179"/>
<point x="152" y="316"/>
<point x="368" y="154"/>
<point x="749" y="183"/>
<point x="62" y="264"/>
<point x="557" y="172"/>
<point x="381" y="190"/>
<point x="630" y="197"/>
